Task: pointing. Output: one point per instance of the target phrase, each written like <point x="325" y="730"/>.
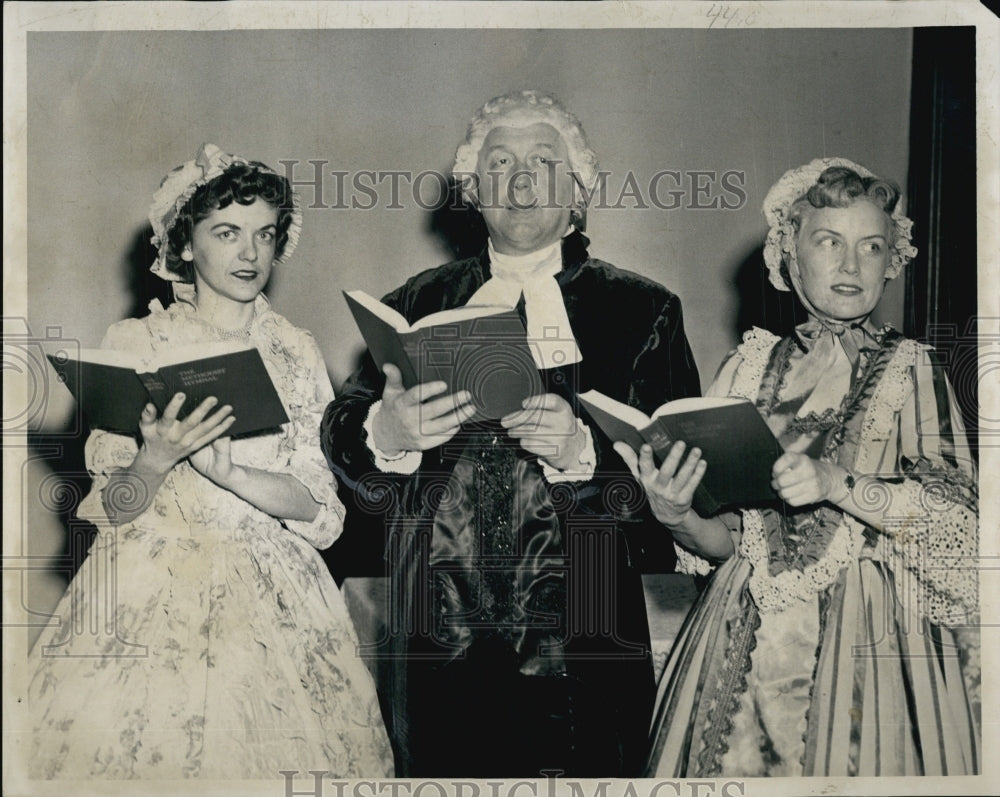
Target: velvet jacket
<point x="483" y="550"/>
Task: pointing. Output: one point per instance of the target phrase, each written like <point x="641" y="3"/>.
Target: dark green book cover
<point x="735" y="442"/>
<point x="480" y="349"/>
<point x="112" y="387"/>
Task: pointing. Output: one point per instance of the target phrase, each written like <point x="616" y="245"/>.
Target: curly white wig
<point x="523" y="109"/>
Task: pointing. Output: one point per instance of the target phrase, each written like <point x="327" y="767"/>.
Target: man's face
<point x="525" y="187"/>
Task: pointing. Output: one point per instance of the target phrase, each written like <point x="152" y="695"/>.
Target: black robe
<point x="515" y="639"/>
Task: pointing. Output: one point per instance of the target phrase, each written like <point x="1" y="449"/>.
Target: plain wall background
<point x="109" y="113"/>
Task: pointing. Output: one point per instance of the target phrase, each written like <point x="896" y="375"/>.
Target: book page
<point x="121" y="359"/>
<point x="182" y="354"/>
<point x="198" y="351"/>
<point x="380" y="310"/>
<point x="458" y="314"/>
<point x="624" y="412"/>
<point x="694" y="404"/>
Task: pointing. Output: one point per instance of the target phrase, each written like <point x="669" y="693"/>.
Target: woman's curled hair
<point x="242" y="182"/>
<point x="839" y="187"/>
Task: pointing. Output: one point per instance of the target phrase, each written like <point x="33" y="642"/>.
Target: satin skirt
<point x="850" y="682"/>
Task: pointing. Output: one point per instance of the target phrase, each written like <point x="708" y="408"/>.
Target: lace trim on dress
<point x="939" y="561"/>
<point x="887" y="400"/>
<point x="754" y="352"/>
<point x="690" y="563"/>
<point x="772" y="593"/>
<point x="943" y="562"/>
<point x="815" y="422"/>
<point x="731" y="685"/>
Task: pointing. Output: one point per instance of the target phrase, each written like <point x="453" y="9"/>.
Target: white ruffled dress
<point x="207" y="638"/>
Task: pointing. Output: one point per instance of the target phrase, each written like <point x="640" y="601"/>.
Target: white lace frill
<point x="753" y="355"/>
<point x="772" y="593"/>
<point x="927" y="534"/>
<point x="690" y="563"/>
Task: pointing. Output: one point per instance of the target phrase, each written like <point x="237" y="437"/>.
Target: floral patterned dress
<point x="207" y="638"/>
<point x="824" y="646"/>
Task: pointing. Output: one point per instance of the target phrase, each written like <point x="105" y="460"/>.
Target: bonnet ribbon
<point x="853" y="338"/>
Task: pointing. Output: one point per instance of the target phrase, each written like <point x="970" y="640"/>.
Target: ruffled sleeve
<point x="306" y="462"/>
<point x="107" y="452"/>
<point x="931" y="525"/>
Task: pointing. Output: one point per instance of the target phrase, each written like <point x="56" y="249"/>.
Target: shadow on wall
<point x="457" y="225"/>
<point x="61" y="451"/>
<point x="57" y="480"/>
<point x="142" y="285"/>
<point x="759" y="303"/>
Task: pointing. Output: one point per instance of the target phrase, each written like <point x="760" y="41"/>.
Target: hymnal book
<point x="735" y="442"/>
<point x="483" y="349"/>
<point x="113" y="386"/>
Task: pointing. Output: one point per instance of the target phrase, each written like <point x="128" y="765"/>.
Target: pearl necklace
<point x="243" y="333"/>
<point x="233" y="334"/>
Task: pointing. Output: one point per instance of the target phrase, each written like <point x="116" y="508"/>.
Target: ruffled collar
<point x="185" y="304"/>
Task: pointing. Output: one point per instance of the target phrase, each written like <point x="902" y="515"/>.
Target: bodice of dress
<point x="190" y="505"/>
<point x="811" y="400"/>
<point x="896" y="421"/>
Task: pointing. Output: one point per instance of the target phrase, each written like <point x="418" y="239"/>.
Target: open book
<point x="482" y="349"/>
<point x="735" y="442"/>
<point x="112" y="386"/>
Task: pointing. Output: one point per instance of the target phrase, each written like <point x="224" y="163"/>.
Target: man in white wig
<point x="516" y="639"/>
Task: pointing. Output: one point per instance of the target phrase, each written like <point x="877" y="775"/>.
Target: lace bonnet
<point x="793" y="185"/>
<point x="180" y="185"/>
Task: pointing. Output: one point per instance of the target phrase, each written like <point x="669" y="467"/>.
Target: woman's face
<point x="842" y="256"/>
<point x="232" y="250"/>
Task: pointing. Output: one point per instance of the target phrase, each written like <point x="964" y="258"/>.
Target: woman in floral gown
<point x="835" y="636"/>
<point x="221" y="646"/>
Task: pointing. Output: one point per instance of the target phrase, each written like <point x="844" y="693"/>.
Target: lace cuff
<point x="105" y="453"/>
<point x="584" y="469"/>
<point x="406" y="462"/>
<point x="936" y="542"/>
<point x="690" y="563"/>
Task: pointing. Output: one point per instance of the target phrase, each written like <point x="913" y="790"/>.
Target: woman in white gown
<point x="228" y="651"/>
